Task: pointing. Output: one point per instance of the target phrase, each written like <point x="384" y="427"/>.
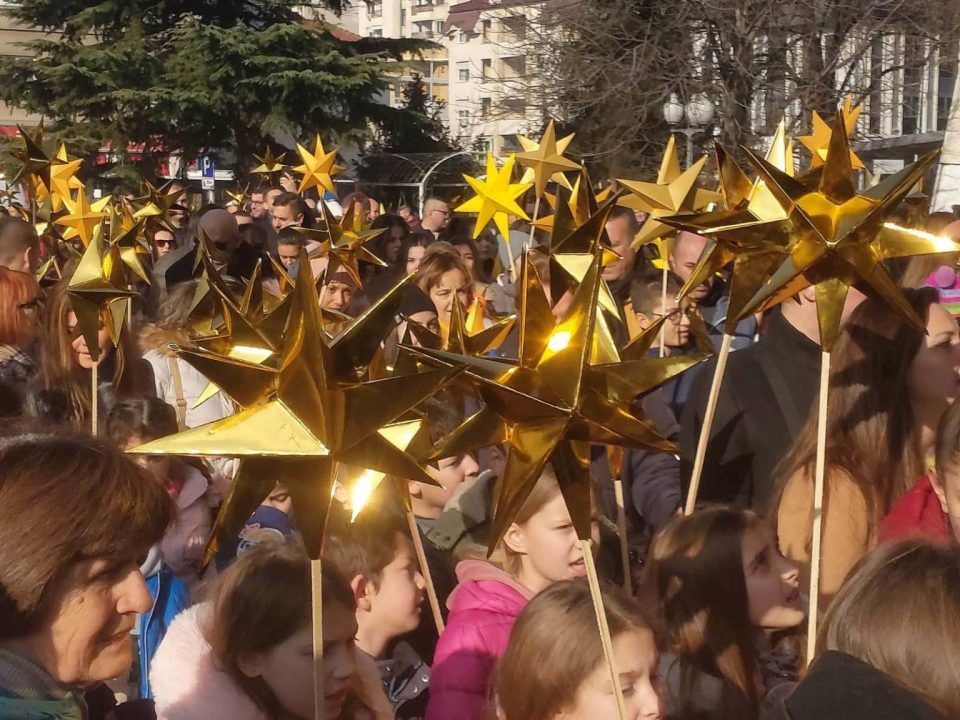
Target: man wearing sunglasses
<point x="164" y="243"/>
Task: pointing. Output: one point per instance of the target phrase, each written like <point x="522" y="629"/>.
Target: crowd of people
<point x="113" y="603"/>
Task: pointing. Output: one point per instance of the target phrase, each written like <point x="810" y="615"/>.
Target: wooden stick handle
<point x="605" y="639"/>
<point x="821" y="468"/>
<point x="622" y="530"/>
<point x="425" y="571"/>
<point x="536" y="212"/>
<point x="316" y="586"/>
<point x="95" y="398"/>
<point x="663" y="303"/>
<point x="707" y="427"/>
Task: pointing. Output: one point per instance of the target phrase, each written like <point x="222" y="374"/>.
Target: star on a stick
<point x="98" y="285"/>
<point x="840" y="237"/>
<point x="82" y="218"/>
<point x="496" y="197"/>
<point x="303" y="418"/>
<point x="544" y="161"/>
<point x="674" y="192"/>
<point x="34" y="160"/>
<point x="753" y="234"/>
<point x="318" y="167"/>
<point x="818" y="142"/>
<point x="344" y="242"/>
<point x="269" y="164"/>
<point x="549" y="404"/>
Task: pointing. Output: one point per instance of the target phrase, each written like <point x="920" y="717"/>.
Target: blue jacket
<point x="170" y="596"/>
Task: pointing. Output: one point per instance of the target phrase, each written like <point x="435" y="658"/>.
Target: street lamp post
<point x="698" y="112"/>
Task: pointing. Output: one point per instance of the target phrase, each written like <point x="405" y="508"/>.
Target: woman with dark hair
<point x="66" y="362"/>
<point x="890" y="384"/>
<point x="76" y="517"/>
<point x="388" y="245"/>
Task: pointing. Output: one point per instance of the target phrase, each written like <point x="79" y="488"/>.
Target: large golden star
<point x="155" y="205"/>
<point x="127" y="241"/>
<point x="97" y="290"/>
<point x="675" y="191"/>
<point x="753" y="233"/>
<point x="303" y="418"/>
<point x="269" y="164"/>
<point x="318" y="167"/>
<point x="496" y="197"/>
<point x="818" y="142"/>
<point x="34" y="160"/>
<point x="552" y="402"/>
<point x="840" y="237"/>
<point x="63" y="179"/>
<point x="344" y="242"/>
<point x="544" y="161"/>
<point x="82" y="219"/>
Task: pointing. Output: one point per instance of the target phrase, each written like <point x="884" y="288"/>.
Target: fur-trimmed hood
<point x="160" y="340"/>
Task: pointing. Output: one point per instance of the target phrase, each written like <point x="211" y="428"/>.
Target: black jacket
<point x="764" y="401"/>
<point x="840" y="687"/>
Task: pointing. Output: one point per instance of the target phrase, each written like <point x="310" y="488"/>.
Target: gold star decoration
<point x="269" y="165"/>
<point x="344" y="242"/>
<point x="155" y="205"/>
<point x="496" y="197"/>
<point x="468" y="336"/>
<point x="551" y="403"/>
<point x="127" y="240"/>
<point x="34" y="160"/>
<point x="63" y="179"/>
<point x="303" y="418"/>
<point x="753" y="234"/>
<point x="318" y="167"/>
<point x="674" y="192"/>
<point x="82" y="219"/>
<point x="97" y="290"/>
<point x="818" y="142"/>
<point x="240" y="196"/>
<point x="840" y="237"/>
<point x="544" y="161"/>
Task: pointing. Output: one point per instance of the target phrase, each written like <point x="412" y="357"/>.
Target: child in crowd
<point x="138" y="421"/>
<point x="170" y="597"/>
<point x="722" y="589"/>
<point x="554" y="667"/>
<point x="272" y="522"/>
<point x="539" y="547"/>
<point x="378" y="560"/>
<point x="247" y="653"/>
<point x="931" y="509"/>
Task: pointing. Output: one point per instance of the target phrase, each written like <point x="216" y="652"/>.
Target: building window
<point x="375" y="8"/>
<point x="438" y="25"/>
<point x="486" y="104"/>
<point x="463" y="72"/>
<point x="376" y="32"/>
<point x="945" y="83"/>
<point x="486" y="29"/>
<point x="912" y="83"/>
<point x="486" y="69"/>
<point x="463" y="117"/>
<point x="403" y="17"/>
<point x="462" y="37"/>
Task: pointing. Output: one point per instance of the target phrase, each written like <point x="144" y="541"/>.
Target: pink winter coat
<point x="483" y="608"/>
<point x="185" y="682"/>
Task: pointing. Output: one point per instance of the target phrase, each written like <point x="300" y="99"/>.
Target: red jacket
<point x="917" y="515"/>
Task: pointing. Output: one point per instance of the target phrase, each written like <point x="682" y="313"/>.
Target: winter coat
<point x="170" y="598"/>
<point x="187" y="684"/>
<point x="848" y="533"/>
<point x="918" y="514"/>
<point x="156" y="346"/>
<point x="193" y="522"/>
<point x="483" y="608"/>
<point x="841" y="687"/>
<point x="764" y="401"/>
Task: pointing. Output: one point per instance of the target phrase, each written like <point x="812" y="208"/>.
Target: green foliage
<point x="186" y="75"/>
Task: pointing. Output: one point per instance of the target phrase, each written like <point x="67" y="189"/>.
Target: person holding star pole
<point x="839" y="237"/>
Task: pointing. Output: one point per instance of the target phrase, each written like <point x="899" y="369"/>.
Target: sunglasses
<point x="166" y="243"/>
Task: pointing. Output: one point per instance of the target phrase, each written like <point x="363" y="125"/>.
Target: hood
<point x="195" y="485"/>
<point x="484" y="586"/>
<point x="159" y="340"/>
<point x="840" y="687"/>
<point x="185" y="682"/>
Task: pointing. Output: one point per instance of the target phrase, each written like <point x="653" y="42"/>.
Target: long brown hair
<point x="870" y="423"/>
<point x="17" y="289"/>
<point x="538" y="676"/>
<point x="57" y="367"/>
<point x="261" y="600"/>
<point x="897" y="612"/>
<point x="694" y="577"/>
